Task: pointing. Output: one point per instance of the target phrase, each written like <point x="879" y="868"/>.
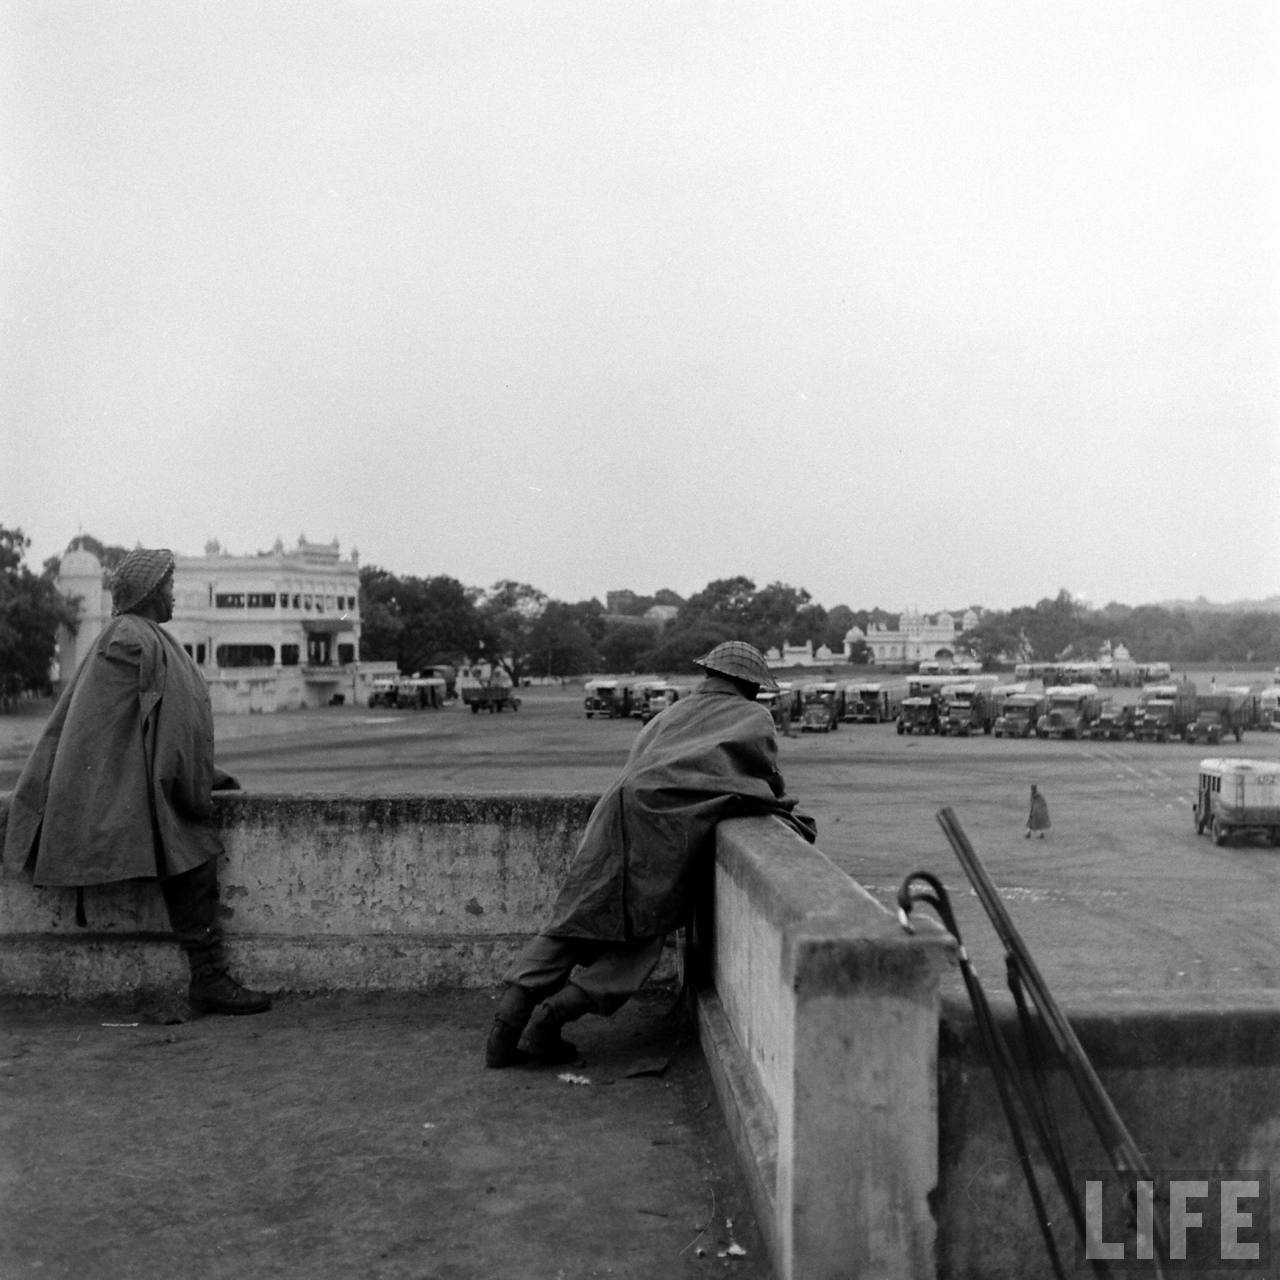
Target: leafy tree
<point x="839" y="622"/>
<point x="417" y="622"/>
<point x="507" y="612"/>
<point x="627" y="646"/>
<point x="31" y="611"/>
<point x="558" y="643"/>
<point x="995" y="639"/>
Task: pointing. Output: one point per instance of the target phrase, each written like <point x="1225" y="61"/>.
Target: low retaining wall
<point x="1197" y="1084"/>
<point x="865" y="1119"/>
<point x="320" y="893"/>
<point x="822" y="1034"/>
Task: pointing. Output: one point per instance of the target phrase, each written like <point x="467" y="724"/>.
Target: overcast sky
<point x="908" y="304"/>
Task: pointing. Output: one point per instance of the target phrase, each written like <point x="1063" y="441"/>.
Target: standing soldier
<point x="1038" y="818"/>
<point x="120" y="785"/>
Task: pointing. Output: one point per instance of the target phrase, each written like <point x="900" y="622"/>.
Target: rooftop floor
<point x="359" y="1135"/>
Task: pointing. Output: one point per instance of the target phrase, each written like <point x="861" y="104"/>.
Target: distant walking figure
<point x="1038" y="818"/>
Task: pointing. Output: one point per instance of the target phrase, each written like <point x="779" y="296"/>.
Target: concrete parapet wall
<point x="1196" y="1082"/>
<point x="822" y="1026"/>
<point x="320" y="893"/>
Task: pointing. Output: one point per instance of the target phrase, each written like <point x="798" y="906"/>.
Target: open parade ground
<point x="1122" y="896"/>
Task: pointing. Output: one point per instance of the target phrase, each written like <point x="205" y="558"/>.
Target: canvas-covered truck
<point x="873" y="701"/>
<point x="1071" y="709"/>
<point x="491" y="696"/>
<point x="1238" y="797"/>
<point x="607" y="699"/>
<point x="921" y="713"/>
<point x="654" y="697"/>
<point x="968" y="707"/>
<point x="822" y="704"/>
<point x="1019" y="715"/>
<point x="1220" y="714"/>
<point x="1164" y="710"/>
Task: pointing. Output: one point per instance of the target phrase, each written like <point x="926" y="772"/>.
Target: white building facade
<point x="918" y="638"/>
<point x="275" y="631"/>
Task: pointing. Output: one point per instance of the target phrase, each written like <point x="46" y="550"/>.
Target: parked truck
<point x="921" y="713"/>
<point x="608" y="699"/>
<point x="968" y="707"/>
<point x="1114" y="722"/>
<point x="823" y="704"/>
<point x="1019" y="715"/>
<point x="1219" y="714"/>
<point x="1071" y="709"/>
<point x="1238" y="797"/>
<point x="873" y="701"/>
<point x="1164" y="711"/>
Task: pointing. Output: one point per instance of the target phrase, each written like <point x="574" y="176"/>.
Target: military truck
<point x="1164" y="711"/>
<point x="608" y="699"/>
<point x="1019" y="715"/>
<point x="921" y="713"/>
<point x="1071" y="709"/>
<point x="968" y="707"/>
<point x="1114" y="722"/>
<point x="822" y="705"/>
<point x="1222" y="712"/>
<point x="873" y="701"/>
<point x="1238" y="797"/>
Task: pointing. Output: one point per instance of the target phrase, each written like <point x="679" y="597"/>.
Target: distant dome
<point x="80" y="564"/>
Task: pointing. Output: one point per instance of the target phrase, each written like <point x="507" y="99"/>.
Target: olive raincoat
<point x="649" y="840"/>
<point x="120" y="784"/>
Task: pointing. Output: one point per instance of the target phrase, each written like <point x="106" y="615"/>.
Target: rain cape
<point x="119" y="786"/>
<point x="649" y="843"/>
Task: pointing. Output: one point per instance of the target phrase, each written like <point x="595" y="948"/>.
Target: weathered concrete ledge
<point x="823" y="1027"/>
<point x="1196" y="1082"/>
<point x="320" y="893"/>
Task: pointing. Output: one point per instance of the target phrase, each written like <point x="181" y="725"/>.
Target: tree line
<point x="420" y="622"/>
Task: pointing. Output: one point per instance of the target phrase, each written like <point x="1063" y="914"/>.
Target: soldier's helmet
<point x="740" y="661"/>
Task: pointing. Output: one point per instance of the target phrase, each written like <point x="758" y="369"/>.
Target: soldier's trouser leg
<point x="192" y="902"/>
<point x="608" y="974"/>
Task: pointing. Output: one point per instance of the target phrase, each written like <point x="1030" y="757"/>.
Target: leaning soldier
<point x="120" y="785"/>
<point x="645" y="857"/>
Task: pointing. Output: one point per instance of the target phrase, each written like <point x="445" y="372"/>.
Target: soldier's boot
<point x="192" y="902"/>
<point x="543" y="1039"/>
<point x="502" y="1049"/>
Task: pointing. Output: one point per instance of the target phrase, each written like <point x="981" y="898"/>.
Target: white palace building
<point x="274" y="631"/>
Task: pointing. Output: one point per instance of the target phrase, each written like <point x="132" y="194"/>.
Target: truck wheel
<point x="1219" y="832"/>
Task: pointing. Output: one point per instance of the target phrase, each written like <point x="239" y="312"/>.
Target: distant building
<point x="918" y="637"/>
<point x="799" y="655"/>
<point x="272" y="632"/>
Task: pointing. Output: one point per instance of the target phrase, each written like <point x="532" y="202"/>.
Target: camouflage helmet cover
<point x="137" y="576"/>
<point x="740" y="661"/>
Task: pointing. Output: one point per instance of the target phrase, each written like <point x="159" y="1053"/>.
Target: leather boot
<point x="192" y="902"/>
<point x="502" y="1049"/>
<point x="543" y="1039"/>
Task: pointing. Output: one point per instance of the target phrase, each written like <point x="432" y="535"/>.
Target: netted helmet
<point x="740" y="661"/>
